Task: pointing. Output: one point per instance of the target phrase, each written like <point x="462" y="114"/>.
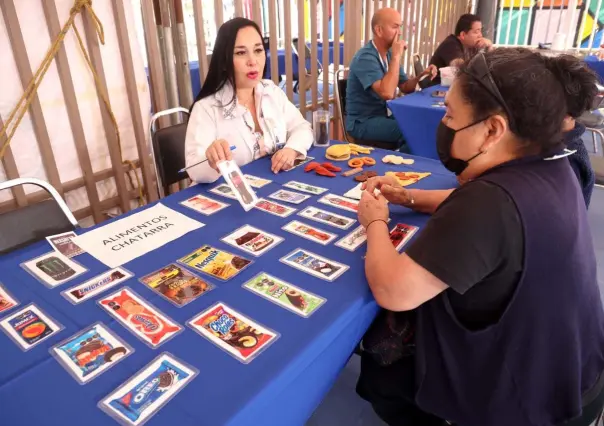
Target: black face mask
<point x="444" y="140"/>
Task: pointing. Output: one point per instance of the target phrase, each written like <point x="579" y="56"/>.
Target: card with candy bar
<point x="63" y="244"/>
<point x="29" y="326"/>
<point x="326" y="217"/>
<point x="309" y="232"/>
<point x="274" y="208"/>
<point x="145" y="393"/>
<point x="53" y="269"/>
<point x="340" y="202"/>
<point x="252" y="240"/>
<point x="284" y="294"/>
<point x="304" y="187"/>
<point x="96" y="285"/>
<point x="177" y="284"/>
<point x="90" y="352"/>
<point x="236" y="334"/>
<point x="7" y="301"/>
<point x="143" y="320"/>
<point x="256" y="182"/>
<point x="204" y="205"/>
<point x="216" y="263"/>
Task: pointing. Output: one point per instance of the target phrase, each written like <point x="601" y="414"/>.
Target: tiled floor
<point x="342" y="406"/>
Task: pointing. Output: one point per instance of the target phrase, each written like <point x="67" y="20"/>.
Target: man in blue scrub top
<point x="374" y="77"/>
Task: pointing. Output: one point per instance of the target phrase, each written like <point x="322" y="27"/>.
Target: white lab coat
<point x="214" y="118"/>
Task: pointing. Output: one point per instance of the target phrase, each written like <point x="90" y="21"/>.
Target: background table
<point x="282" y="386"/>
<point x="418" y="119"/>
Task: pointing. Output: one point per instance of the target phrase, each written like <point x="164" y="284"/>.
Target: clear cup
<point x="321" y="127"/>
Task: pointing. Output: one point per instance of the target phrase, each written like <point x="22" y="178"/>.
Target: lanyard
<point x="384" y="63"/>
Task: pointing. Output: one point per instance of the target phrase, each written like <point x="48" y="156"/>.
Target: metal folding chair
<point x="168" y="149"/>
<point x="27" y="225"/>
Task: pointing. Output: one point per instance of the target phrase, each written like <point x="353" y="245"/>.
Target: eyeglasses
<point x="483" y="76"/>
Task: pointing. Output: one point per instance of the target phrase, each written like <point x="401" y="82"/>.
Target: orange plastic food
<point x="331" y="167"/>
<point x="322" y="171"/>
<point x="368" y="161"/>
<point x="311" y="166"/>
<point x="356" y="163"/>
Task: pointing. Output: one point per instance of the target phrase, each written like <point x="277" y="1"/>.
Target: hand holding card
<point x="240" y="186"/>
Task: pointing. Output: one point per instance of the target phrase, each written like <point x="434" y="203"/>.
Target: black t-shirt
<point x="447" y="51"/>
<point x="474" y="243"/>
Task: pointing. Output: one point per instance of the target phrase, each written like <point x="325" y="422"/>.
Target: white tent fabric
<point x="37" y="41"/>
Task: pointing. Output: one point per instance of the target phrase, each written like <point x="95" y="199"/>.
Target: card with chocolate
<point x="284" y="294"/>
<point x="252" y="240"/>
<point x="135" y="401"/>
<point x="177" y="284"/>
<point x="234" y="333"/>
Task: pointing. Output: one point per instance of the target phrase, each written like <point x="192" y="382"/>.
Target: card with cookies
<point x="214" y="262"/>
<point x="315" y="265"/>
<point x="401" y="234"/>
<point x="135" y="401"/>
<point x="141" y="318"/>
<point x="7" y="301"/>
<point x="233" y="332"/>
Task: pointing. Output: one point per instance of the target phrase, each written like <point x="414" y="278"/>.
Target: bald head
<point x="386" y="17"/>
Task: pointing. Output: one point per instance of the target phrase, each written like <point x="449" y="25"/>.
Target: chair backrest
<point x="168" y="149"/>
<point x="340" y="92"/>
<point x="418" y="67"/>
<point x="27" y="225"/>
<point x="307" y="54"/>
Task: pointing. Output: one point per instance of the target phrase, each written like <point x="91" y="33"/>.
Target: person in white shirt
<point x="235" y="107"/>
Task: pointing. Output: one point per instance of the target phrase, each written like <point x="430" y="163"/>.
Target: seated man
<point x="462" y="45"/>
<point x="375" y="74"/>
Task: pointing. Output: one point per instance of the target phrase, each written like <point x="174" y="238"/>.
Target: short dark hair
<point x="539" y="92"/>
<point x="221" y="69"/>
<point x="465" y="22"/>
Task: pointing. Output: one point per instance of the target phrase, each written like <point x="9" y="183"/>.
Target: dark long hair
<point x="222" y="70"/>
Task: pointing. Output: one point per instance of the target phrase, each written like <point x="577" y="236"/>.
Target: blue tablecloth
<point x="595" y="64"/>
<point x="194" y="65"/>
<point x="280" y="387"/>
<point x="418" y="117"/>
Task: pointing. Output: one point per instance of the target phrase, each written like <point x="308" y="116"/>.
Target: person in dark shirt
<point x="462" y="45"/>
<point x="375" y="76"/>
<point x="518" y="214"/>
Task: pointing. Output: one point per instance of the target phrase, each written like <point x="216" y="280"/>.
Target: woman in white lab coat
<point x="236" y="108"/>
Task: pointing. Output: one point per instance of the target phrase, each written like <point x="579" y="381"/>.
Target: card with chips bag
<point x="239" y="185"/>
<point x="143" y="320"/>
<point x="135" y="401"/>
<point x="29" y="326"/>
<point x="233" y="332"/>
